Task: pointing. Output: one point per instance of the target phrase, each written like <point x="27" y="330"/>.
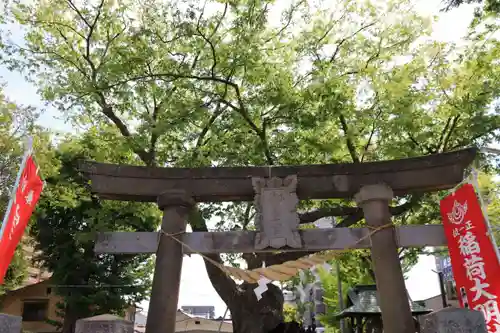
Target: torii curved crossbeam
<point x="411" y="175"/>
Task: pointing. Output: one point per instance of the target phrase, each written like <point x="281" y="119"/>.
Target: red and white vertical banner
<point x="474" y="261"/>
<point x="25" y="196"/>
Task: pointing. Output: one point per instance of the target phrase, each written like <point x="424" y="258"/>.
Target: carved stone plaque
<point x="276" y="220"/>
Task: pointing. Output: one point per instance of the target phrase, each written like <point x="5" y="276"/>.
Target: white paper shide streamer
<point x="262" y="287"/>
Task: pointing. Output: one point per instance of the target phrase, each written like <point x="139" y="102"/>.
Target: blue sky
<point x="196" y="288"/>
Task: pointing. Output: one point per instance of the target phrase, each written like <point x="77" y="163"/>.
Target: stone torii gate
<point x="276" y="192"/>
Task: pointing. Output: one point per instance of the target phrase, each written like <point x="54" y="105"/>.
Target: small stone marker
<point x="104" y="324"/>
<point x="10" y="324"/>
<point x="454" y="320"/>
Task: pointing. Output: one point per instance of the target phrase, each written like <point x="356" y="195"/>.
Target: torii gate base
<point x="372" y="184"/>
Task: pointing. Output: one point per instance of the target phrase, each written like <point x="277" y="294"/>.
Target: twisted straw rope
<point x="281" y="272"/>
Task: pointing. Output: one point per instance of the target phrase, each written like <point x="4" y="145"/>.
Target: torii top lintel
<point x="411" y="175"/>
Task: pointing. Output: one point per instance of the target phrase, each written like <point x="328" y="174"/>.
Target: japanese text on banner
<point x="473" y="258"/>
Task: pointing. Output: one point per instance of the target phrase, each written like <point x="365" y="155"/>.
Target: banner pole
<point x="475" y="183"/>
<point x="27" y="152"/>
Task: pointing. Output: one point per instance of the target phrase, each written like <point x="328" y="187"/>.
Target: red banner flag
<point x="25" y="198"/>
<point x="474" y="261"/>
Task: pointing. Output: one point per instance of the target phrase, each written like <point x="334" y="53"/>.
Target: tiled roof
<point x="364" y="301"/>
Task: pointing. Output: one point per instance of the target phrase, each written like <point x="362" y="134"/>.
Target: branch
<point x="199" y="142"/>
<point x="88" y="38"/>
<point x="253" y="260"/>
<point x="247" y="216"/>
<point x="373" y="57"/>
<point x="345" y="39"/>
<point x="350" y="144"/>
<point x="468" y="142"/>
<point x="293" y="8"/>
<point x="213" y="118"/>
<point x="351" y="219"/>
<point x="92" y="29"/>
<point x="448" y="98"/>
<point x="212" y="48"/>
<point x="401" y="209"/>
<point x="443" y="133"/>
<point x="107" y="110"/>
<point x="312" y="216"/>
<point x="450" y="132"/>
<point x="78" y="12"/>
<point x="224" y="12"/>
<point x="208" y="39"/>
<point x="261" y="133"/>
<point x="424" y="148"/>
<point x="154" y="130"/>
<point x="70" y="45"/>
<point x="53" y="23"/>
<point x="368" y="265"/>
<point x="109" y="41"/>
<point x="368" y="143"/>
<point x="376" y="55"/>
<point x="57" y="55"/>
<point x="263" y="138"/>
<point x="174" y="76"/>
<point x="241" y="109"/>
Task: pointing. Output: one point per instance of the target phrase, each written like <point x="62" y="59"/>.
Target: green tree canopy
<point x="67" y="219"/>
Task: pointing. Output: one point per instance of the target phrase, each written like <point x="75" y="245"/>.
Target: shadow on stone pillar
<point x="453" y="320"/>
<point x="10" y="324"/>
<point x="104" y="324"/>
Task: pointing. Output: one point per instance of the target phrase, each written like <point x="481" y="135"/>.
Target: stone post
<point x="10" y="324"/>
<point x="104" y="324"/>
<point x="453" y="320"/>
<point x="319" y="304"/>
<point x="391" y="290"/>
<point x="176" y="205"/>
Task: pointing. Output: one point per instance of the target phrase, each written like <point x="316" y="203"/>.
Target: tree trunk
<point x="70" y="318"/>
<point x="252" y="316"/>
<point x="247" y="313"/>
